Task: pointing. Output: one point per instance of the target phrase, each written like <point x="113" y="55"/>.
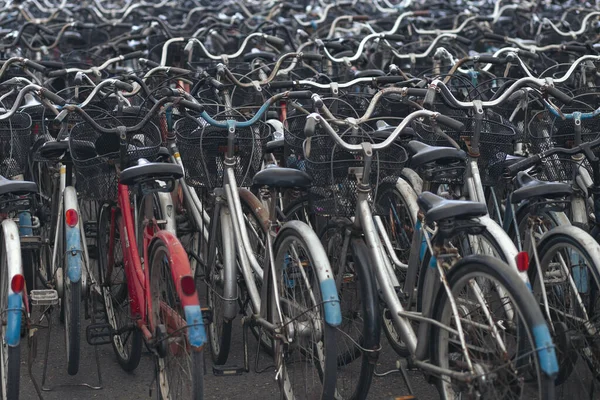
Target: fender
<point x="180" y="266"/>
<point x="331" y="300"/>
<point x="410" y="195"/>
<point x="74" y="247"/>
<point x="12" y="252"/>
<point x="413" y="178"/>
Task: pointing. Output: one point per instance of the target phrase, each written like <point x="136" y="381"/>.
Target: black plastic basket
<point x="203" y="149"/>
<point x="94" y="154"/>
<point x="15" y="141"/>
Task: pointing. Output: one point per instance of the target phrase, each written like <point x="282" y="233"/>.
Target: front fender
<point x="73" y="239"/>
<point x="331" y="300"/>
<point x="12" y="252"/>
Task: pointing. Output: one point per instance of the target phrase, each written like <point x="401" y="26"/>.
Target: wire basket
<point x="203" y="148"/>
<point x="334" y="171"/>
<point x="497" y="140"/>
<point x="94" y="154"/>
<point x="15" y="141"/>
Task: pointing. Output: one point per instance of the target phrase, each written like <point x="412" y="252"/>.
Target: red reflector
<point x="71" y="217"/>
<point x="188" y="285"/>
<point x="17" y="283"/>
<point x="522" y="261"/>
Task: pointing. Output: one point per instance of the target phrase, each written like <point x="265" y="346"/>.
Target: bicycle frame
<point x="137" y="274"/>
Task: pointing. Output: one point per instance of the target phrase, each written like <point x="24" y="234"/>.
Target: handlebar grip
<point x="57" y="73"/>
<point x="292" y="6"/>
<point x="310" y="127"/>
<point x="312" y="56"/>
<point x="463" y="40"/>
<point x="576" y="48"/>
<point x="528" y="54"/>
<point x="300" y="94"/>
<point x="360" y="18"/>
<point x="513" y="169"/>
<point x="485" y="19"/>
<point x="191" y="105"/>
<point x="34" y="65"/>
<point x="53" y="97"/>
<point x="560" y="95"/>
<point x="86" y="25"/>
<point x="489" y="59"/>
<point x="450" y="123"/>
<point x="216" y="84"/>
<point x="168" y="92"/>
<point x="282" y="85"/>
<point x="429" y="98"/>
<point x="494" y="36"/>
<point x="422" y="13"/>
<point x="135" y="54"/>
<point x="275" y="41"/>
<point x="389" y="79"/>
<point x="335" y="46"/>
<point x="149" y="63"/>
<point x="395" y="38"/>
<point x="127" y="87"/>
<point x="179" y="71"/>
<point x="416" y="92"/>
<point x="52" y="64"/>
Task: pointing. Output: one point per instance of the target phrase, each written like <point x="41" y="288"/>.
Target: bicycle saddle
<point x="145" y="170"/>
<point x="530" y="188"/>
<point x="423" y="154"/>
<point x="279" y="177"/>
<point x="437" y="208"/>
<point x="8" y="186"/>
<point x="54" y="150"/>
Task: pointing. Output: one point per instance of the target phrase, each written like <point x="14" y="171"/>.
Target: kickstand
<point x="405" y="378"/>
<point x="46" y="388"/>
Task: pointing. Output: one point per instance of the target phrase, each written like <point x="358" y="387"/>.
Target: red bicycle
<point x="148" y="290"/>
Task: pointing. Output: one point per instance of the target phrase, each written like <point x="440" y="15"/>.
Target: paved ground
<point x="122" y="385"/>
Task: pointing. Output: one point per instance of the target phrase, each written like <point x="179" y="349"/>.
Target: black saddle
<point x="437" y="208"/>
<point x="424" y="154"/>
<point x="20" y="188"/>
<point x="530" y="188"/>
<point x="285" y="178"/>
<point x="150" y="171"/>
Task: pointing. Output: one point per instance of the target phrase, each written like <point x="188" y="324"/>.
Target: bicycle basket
<point x="203" y="149"/>
<point x="335" y="171"/>
<point x="15" y="141"/>
<point x="94" y="154"/>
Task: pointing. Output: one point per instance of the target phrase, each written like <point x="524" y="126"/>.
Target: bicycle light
<point x="522" y="259"/>
<point x="188" y="285"/>
<point x="17" y="283"/>
<point x="71" y="217"/>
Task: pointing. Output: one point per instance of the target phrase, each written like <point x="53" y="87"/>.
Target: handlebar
<point x="95" y="70"/>
<point x="273" y="40"/>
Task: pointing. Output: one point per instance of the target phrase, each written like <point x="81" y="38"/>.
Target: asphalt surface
<point x="118" y="384"/>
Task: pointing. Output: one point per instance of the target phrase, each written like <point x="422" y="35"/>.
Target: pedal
<point x="225" y="370"/>
<point x="44" y="297"/>
<point x="99" y="334"/>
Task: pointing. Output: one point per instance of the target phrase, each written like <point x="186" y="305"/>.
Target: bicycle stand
<point x="46" y="387"/>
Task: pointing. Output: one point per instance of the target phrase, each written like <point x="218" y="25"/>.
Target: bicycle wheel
<point x="504" y="333"/>
<point x="71" y="303"/>
<point x="117" y="304"/>
<point x="307" y="363"/>
<point x="361" y="327"/>
<point x="257" y="231"/>
<point x="10" y="355"/>
<point x="180" y="367"/>
<point x="571" y="277"/>
<point x="399" y="222"/>
<point x="220" y="265"/>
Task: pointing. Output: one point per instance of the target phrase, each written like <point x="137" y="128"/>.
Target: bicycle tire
<point x="72" y="307"/>
<point x="219" y="329"/>
<point x="167" y="311"/>
<point x="287" y="356"/>
<point x="363" y="316"/>
<point x="550" y="244"/>
<point x="475" y="269"/>
<point x="128" y="357"/>
<point x="388" y="325"/>
<point x="253" y="223"/>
